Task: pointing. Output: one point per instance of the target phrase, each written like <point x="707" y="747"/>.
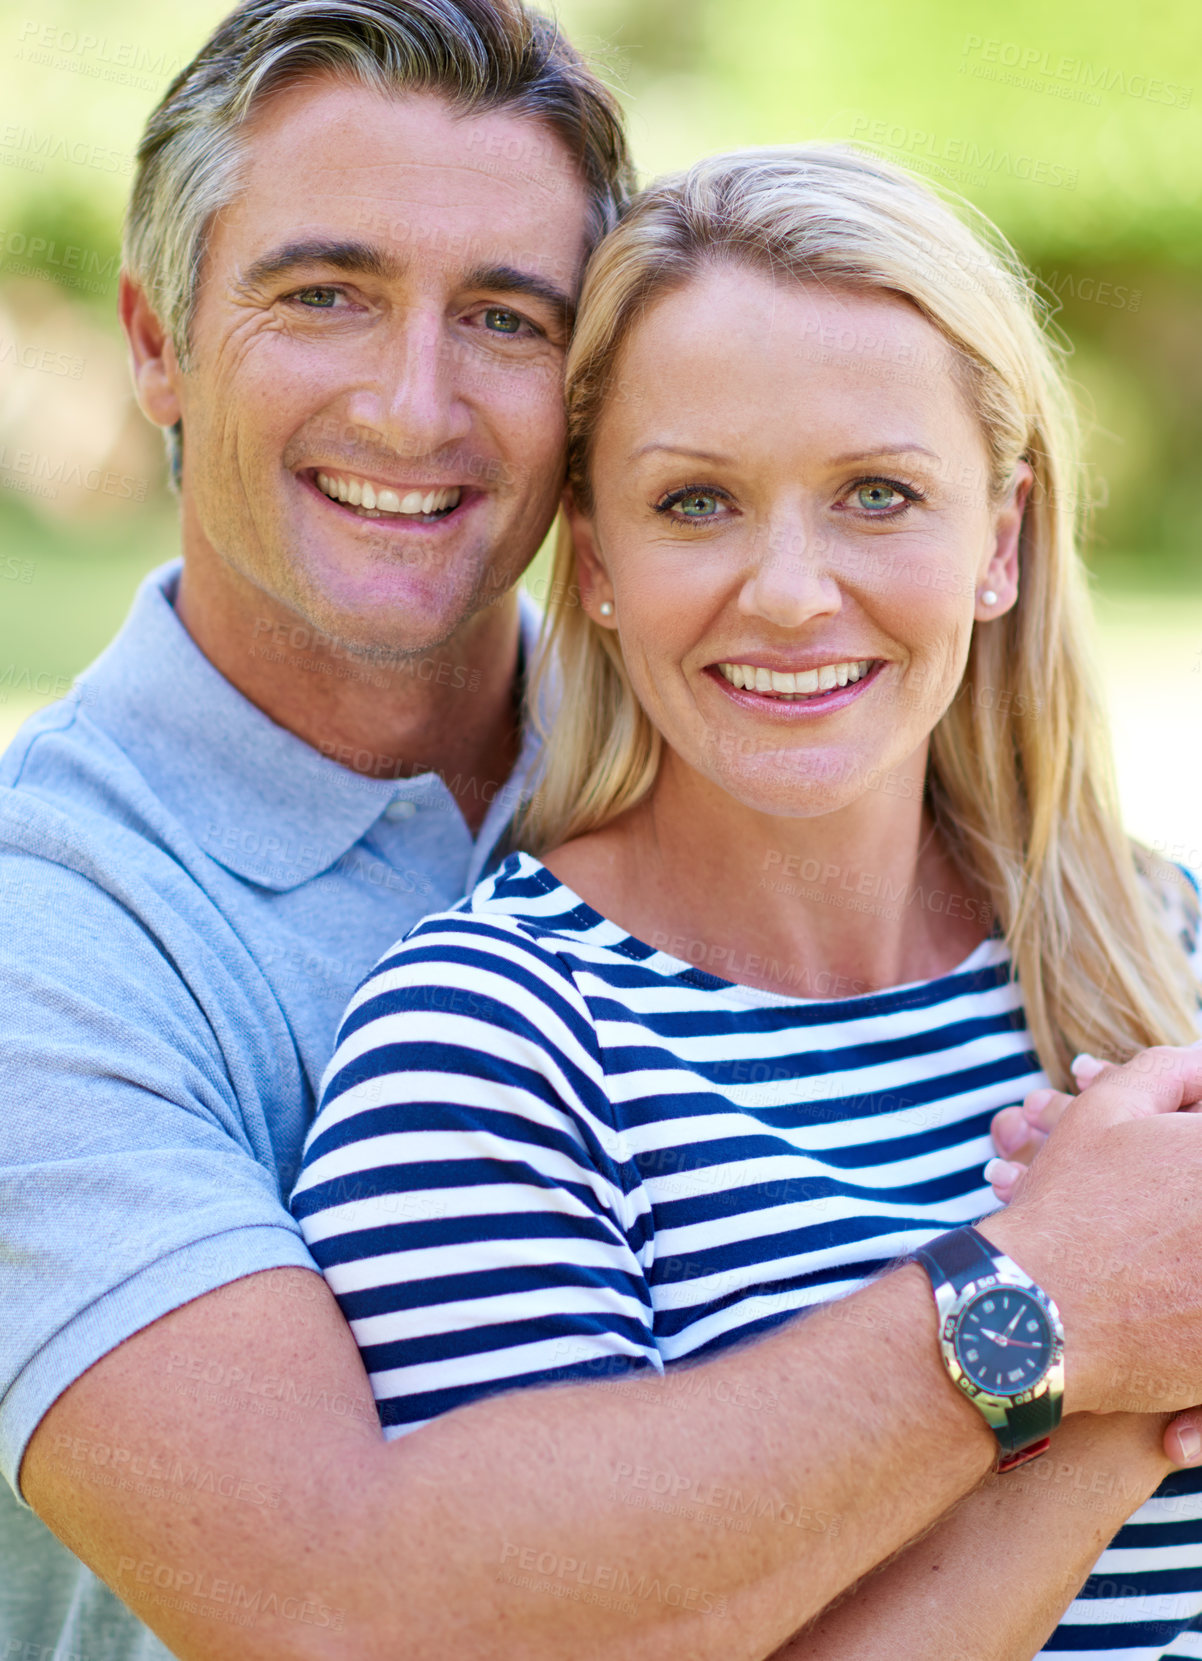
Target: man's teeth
<point x="362" y="493"/>
<point x="750" y="679"/>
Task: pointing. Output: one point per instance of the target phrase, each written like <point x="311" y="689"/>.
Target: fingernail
<point x="1190" y="1441"/>
<point x="1087" y="1065"/>
<point x="997" y="1170"/>
<point x="1035" y="1103"/>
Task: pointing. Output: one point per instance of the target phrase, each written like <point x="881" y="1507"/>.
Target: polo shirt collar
<point x="257" y="799"/>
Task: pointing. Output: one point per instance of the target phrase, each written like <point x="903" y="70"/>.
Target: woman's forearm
<point x="991" y="1580"/>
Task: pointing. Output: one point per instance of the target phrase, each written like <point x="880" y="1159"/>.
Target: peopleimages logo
<point x="964" y="156"/>
<point x="1037" y="69"/>
<point x="71" y="265"/>
<point x="221" y="1592"/>
<point x="49" y="472"/>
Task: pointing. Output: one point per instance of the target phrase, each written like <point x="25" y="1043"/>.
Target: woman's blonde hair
<point x="1019" y="780"/>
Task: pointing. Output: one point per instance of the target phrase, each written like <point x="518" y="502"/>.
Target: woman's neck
<point x="836" y="905"/>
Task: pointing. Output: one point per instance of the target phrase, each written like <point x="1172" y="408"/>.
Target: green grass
<point x="65" y="590"/>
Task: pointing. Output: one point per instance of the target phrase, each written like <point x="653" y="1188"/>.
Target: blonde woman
<point x="824" y="871"/>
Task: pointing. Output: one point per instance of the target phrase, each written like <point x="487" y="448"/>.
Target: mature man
<point x="356" y="233"/>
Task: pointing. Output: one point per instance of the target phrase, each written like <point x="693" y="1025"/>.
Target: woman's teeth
<point x="361" y="493"/>
<point x="804" y="685"/>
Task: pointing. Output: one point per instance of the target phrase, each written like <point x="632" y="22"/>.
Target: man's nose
<point x="412" y="396"/>
<point x="791" y="574"/>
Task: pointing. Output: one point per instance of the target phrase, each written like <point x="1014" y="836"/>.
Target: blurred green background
<point x="1078" y="129"/>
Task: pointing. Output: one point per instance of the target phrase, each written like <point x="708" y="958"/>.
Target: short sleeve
<point x="131" y="1180"/>
<point x="464" y="1188"/>
<point x="1177" y="893"/>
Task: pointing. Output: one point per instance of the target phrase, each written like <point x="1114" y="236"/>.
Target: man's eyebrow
<point x="507" y="279"/>
<point x="364" y="257"/>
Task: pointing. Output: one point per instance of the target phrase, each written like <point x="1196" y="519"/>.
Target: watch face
<point x="1003" y="1341"/>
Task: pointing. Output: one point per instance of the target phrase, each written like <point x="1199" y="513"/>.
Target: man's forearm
<point x="705" y="1515"/>
<point x="991" y="1580"/>
<point x="685" y="1517"/>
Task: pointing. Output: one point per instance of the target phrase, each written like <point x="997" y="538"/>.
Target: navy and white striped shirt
<point x="547" y="1150"/>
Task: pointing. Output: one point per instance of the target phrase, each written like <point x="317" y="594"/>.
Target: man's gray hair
<point x="478" y="54"/>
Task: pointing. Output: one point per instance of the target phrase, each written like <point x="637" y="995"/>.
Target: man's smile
<point x="412" y="501"/>
<point x="404" y="504"/>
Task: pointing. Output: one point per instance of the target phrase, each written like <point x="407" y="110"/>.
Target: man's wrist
<point x="1036" y="1256"/>
<point x="918" y="1289"/>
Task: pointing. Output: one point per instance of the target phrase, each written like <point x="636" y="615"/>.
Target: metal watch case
<point x="951" y="1305"/>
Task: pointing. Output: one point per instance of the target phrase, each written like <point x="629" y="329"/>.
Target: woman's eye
<point x="499" y="321"/>
<point x="876" y="494"/>
<point x="884" y="498"/>
<point x="693" y="504"/>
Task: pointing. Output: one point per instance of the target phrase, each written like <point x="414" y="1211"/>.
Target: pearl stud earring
<point x="988" y="597"/>
<point x="606" y="608"/>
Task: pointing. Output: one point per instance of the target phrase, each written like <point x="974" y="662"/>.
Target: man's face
<point x="383" y="312"/>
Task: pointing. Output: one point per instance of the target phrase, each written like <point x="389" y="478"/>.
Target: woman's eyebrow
<point x="681" y="450"/>
<point x="874" y="452"/>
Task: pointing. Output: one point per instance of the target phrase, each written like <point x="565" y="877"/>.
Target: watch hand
<point x="1014" y="1323"/>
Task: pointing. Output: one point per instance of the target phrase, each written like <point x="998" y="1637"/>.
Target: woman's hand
<point x="1020" y="1132"/>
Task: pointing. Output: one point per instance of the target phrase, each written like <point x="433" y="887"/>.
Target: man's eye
<point x="315" y="299"/>
<point x="502" y="322"/>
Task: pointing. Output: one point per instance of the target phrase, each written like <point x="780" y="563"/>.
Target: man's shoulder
<point x="69" y="796"/>
<point x="503" y="930"/>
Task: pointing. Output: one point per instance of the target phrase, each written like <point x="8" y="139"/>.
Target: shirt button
<point x="402" y="809"/>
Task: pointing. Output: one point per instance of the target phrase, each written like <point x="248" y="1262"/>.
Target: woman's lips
<point x="779" y="700"/>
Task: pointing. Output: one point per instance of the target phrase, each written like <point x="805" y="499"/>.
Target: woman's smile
<point x="800" y="694"/>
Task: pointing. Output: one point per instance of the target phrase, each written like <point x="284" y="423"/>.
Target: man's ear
<point x="1001" y="573"/>
<point x="592" y="578"/>
<point x="156" y="369"/>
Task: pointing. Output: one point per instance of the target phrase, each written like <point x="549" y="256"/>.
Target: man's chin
<point x="391" y="617"/>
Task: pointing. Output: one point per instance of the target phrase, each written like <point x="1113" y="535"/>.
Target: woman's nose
<point x="791" y="578"/>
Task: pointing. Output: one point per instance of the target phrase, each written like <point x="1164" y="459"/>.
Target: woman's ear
<point x="592" y="579"/>
<point x="1000" y="577"/>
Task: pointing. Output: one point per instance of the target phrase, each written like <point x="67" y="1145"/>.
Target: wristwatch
<point x="1001" y="1339"/>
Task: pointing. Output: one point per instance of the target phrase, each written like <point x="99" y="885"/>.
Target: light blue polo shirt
<point x="188" y="896"/>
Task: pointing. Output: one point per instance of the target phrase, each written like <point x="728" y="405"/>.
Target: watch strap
<point x="958" y="1257"/>
<point x="1025" y="1421"/>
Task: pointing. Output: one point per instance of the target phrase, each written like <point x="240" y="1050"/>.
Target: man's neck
<point x="452" y="710"/>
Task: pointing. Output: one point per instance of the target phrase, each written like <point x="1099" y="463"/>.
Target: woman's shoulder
<point x="517" y="918"/>
<point x="1177" y="892"/>
<point x="492" y="959"/>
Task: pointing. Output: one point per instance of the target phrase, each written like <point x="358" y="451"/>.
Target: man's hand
<point x="1136" y="1297"/>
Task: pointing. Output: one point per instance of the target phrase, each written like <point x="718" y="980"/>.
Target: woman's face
<point x="793" y="524"/>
